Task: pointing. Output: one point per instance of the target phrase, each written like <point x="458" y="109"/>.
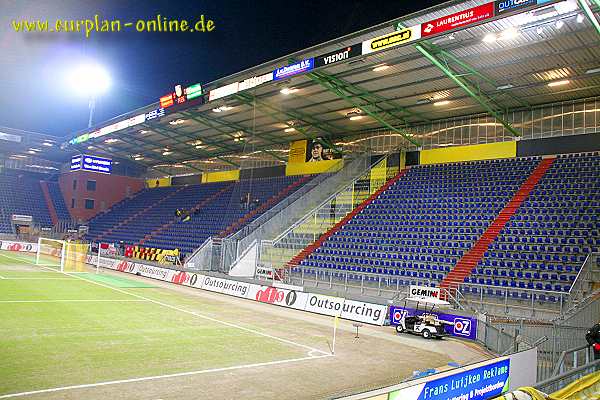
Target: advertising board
<point x="460" y="326"/>
<point x="458" y="19"/>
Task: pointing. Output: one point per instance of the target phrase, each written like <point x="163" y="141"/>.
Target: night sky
<point x="144" y="66"/>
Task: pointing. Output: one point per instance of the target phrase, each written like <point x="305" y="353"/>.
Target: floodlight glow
<point x="489" y="38"/>
<point x="559" y="83"/>
<point x="509" y="34"/>
<point x="89" y="80"/>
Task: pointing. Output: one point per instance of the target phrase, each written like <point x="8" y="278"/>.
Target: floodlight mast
<point x="92" y="106"/>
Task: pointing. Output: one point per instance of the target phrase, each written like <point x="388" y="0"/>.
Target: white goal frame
<point x="63" y="253"/>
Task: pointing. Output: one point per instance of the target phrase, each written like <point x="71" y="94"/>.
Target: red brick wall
<point x="110" y="189"/>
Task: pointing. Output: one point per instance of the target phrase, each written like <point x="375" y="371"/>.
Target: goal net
<point x="62" y="255"/>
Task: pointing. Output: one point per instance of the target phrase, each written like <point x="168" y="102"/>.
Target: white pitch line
<point x="37" y="279"/>
<point x="148" y="378"/>
<point x="72" y="301"/>
<point x="188" y="312"/>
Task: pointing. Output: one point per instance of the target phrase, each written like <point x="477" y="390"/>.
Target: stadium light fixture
<point x="509" y="34"/>
<point x="579" y="18"/>
<point x="381" y="68"/>
<point x="287" y="90"/>
<point x="47" y="144"/>
<point x="592" y="71"/>
<point x="89" y="80"/>
<point x="559" y="24"/>
<point x="166" y="153"/>
<point x="441" y="103"/>
<point x="539" y="30"/>
<point x="504" y="87"/>
<point x="288" y="130"/>
<point x="356" y="117"/>
<point x="559" y="83"/>
<point x="490" y="38"/>
<point x="31" y="152"/>
<point x="423" y="101"/>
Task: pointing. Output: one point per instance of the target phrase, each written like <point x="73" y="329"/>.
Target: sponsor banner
<point x="512" y="5"/>
<point x="294" y="69"/>
<point x="476" y="383"/>
<point x="148" y="271"/>
<point x="458" y="20"/>
<point x="327" y="305"/>
<point x="225" y="286"/>
<point x="264" y="272"/>
<point x="280" y="297"/>
<point x="223" y="91"/>
<point x="316" y="303"/>
<point x="364" y="312"/>
<point x="18" y="246"/>
<point x="188" y="279"/>
<point x="391" y="39"/>
<point x="460" y="326"/>
<point x="338" y="55"/>
<point x="423" y="292"/>
<point x="255" y="81"/>
<point x="21" y="218"/>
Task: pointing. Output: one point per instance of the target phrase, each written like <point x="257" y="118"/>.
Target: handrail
<point x="579" y="273"/>
<point x="262" y="219"/>
<point x="310" y="213"/>
<point x="561" y="359"/>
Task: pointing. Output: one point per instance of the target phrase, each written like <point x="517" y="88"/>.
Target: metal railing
<point x="201" y="258"/>
<point x="293" y="208"/>
<point x="276" y="253"/>
<point x="581" y="287"/>
<point x="573" y="364"/>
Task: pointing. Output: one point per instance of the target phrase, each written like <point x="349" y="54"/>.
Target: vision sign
<point x="338" y="55"/>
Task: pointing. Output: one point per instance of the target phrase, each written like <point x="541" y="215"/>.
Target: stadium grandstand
<point x="448" y="158"/>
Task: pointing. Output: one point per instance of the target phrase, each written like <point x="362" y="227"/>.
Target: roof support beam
<point x="167" y="158"/>
<point x="165" y="133"/>
<point x="435" y="49"/>
<point x="208" y="121"/>
<point x="589" y="14"/>
<point x="478" y="97"/>
<point x="272" y="112"/>
<point x="371" y="98"/>
<point x="333" y="87"/>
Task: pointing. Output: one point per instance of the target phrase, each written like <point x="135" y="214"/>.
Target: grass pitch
<point x="60" y="330"/>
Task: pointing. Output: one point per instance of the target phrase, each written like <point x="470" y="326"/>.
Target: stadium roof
<point x="459" y="58"/>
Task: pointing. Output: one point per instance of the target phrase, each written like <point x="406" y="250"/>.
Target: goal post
<point x="62" y="255"/>
<point x="50" y="253"/>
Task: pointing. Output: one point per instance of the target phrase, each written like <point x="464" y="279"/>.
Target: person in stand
<point x="593" y="338"/>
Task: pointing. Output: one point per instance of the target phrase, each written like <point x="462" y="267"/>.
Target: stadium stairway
<point x="138" y="214"/>
<point x="202" y="203"/>
<point x="49" y="202"/>
<point x="471" y="258"/>
<point x="296" y="260"/>
<point x="264" y="207"/>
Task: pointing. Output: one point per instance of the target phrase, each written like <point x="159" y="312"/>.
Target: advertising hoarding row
<point x="368" y="313"/>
